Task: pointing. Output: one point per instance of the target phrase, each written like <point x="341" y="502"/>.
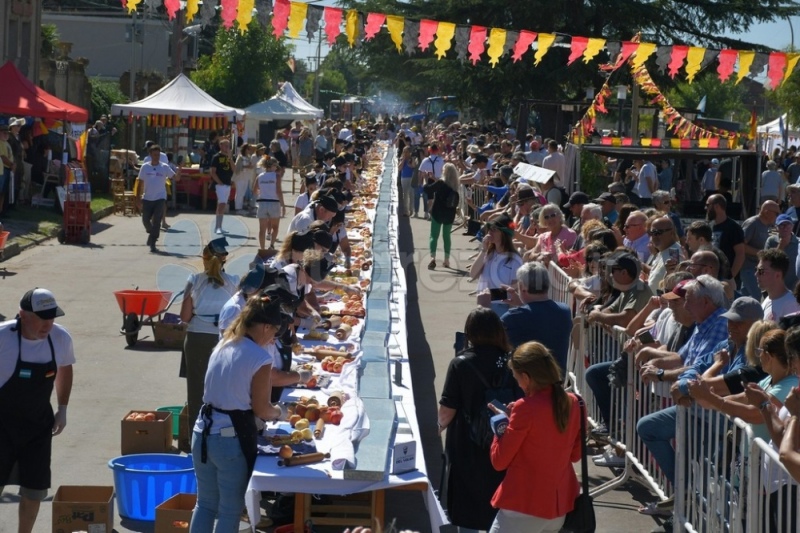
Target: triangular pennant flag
<point x="359" y="29"/>
<point x="263" y="10"/>
<point x="172" y="7"/>
<point x="351" y="26"/>
<point x="207" y="11"/>
<point x="373" y="25"/>
<point x="191" y="9"/>
<point x="131" y="5"/>
<point x="124" y="4"/>
<point x="791" y="64"/>
<point x="395" y="25"/>
<point x="644" y="51"/>
<point x="462" y="42"/>
<point x="444" y="38"/>
<point x="676" y="61"/>
<point x="546" y="40"/>
<point x="497" y="43"/>
<point x="694" y="57"/>
<point x="746" y="58"/>
<point x="477" y="43"/>
<point x="777" y="64"/>
<point x="411" y="35"/>
<point x="333" y="22"/>
<point x="228" y="13"/>
<point x="511" y="40"/>
<point x="593" y="47"/>
<point x="297" y="16"/>
<point x="727" y="63"/>
<point x="280" y="17"/>
<point x="577" y="48"/>
<point x="758" y="64"/>
<point x="613" y="49"/>
<point x="244" y="14"/>
<point x="628" y="49"/>
<point x="427" y="31"/>
<point x="708" y="58"/>
<point x="523" y="44"/>
<point x="313" y="16"/>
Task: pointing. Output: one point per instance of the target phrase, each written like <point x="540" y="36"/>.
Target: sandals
<point x="446" y="264"/>
<point x="432" y="264"/>
<point x="656" y="509"/>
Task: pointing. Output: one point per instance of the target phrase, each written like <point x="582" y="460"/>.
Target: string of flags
<point x="475" y="43"/>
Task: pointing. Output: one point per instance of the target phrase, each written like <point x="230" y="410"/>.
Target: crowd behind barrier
<point x="726" y="479"/>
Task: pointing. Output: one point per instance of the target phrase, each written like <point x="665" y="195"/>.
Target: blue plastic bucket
<point x="144" y="481"/>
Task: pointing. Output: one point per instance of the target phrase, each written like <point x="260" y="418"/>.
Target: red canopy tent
<point x="21" y="97"/>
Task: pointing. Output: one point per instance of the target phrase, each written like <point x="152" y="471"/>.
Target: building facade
<point x="19" y="35"/>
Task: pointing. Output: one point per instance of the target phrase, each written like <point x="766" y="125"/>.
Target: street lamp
<point x="622" y="95"/>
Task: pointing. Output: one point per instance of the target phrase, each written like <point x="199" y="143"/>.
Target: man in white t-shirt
<point x="770" y="273"/>
<point x="36" y="355"/>
<point x="430" y="170"/>
<point x="153" y="194"/>
<point x="305" y="198"/>
<point x="646" y="182"/>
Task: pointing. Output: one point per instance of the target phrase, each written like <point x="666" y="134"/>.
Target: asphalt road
<point x="112" y="379"/>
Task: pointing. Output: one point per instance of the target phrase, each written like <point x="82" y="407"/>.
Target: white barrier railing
<point x="725" y="479"/>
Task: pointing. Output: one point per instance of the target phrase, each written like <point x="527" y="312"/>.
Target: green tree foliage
<point x="50" y="39"/>
<point x="104" y="94"/>
<point x="332" y="86"/>
<point x="245" y="68"/>
<point x="723" y="100"/>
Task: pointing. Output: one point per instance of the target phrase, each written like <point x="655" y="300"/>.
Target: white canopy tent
<point x="286" y="106"/>
<point x="179" y="97"/>
<point x="773" y="138"/>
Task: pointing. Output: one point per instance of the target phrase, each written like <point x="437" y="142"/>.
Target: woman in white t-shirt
<point x="243" y="172"/>
<point x="203" y="298"/>
<point x="237" y="389"/>
<point x="269" y="196"/>
<point x="497" y="263"/>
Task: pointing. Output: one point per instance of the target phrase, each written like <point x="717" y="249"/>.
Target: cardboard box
<point x="147" y="437"/>
<point x="185" y="431"/>
<point x="169" y="335"/>
<point x="83" y="508"/>
<point x="174" y="513"/>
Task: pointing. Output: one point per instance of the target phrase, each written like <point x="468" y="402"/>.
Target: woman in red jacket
<point x="537" y="449"/>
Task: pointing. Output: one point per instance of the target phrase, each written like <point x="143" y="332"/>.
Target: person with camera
<point x="497" y="263"/>
<point x="537" y="447"/>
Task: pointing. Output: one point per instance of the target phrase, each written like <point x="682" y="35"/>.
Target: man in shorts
<point x="35" y="355"/>
<point x="221" y="176"/>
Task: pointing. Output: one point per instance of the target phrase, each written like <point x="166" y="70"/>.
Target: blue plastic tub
<point x="144" y="481"/>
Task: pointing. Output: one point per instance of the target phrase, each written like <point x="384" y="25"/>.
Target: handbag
<point x="581" y="519"/>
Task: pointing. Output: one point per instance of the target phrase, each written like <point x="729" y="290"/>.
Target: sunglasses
<point x="761" y="271"/>
<point x="657" y="232"/>
<point x="626" y="226"/>
<point x="551" y="215"/>
<point x="696" y="265"/>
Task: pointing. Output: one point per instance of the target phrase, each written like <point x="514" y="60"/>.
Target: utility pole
<point x="635" y="97"/>
<point x="319" y="70"/>
<point x="177" y="44"/>
<point x="132" y="81"/>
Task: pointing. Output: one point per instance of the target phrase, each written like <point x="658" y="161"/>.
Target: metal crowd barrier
<point x="772" y="503"/>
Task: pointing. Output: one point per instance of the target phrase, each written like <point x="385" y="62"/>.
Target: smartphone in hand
<point x="498" y="294"/>
<point x="499" y="406"/>
<point x="646" y="338"/>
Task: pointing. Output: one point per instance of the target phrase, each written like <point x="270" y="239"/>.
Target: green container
<point x="176" y="411"/>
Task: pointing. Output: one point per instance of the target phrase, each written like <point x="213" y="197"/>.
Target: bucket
<point x="144" y="481"/>
<point x="176" y="412"/>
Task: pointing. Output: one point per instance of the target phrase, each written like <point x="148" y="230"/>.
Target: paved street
<point x="111" y="379"/>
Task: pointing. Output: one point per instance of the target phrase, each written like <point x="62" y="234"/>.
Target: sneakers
<point x="600" y="430"/>
<point x="218" y="231"/>
<point x="165" y="226"/>
<point x="610" y="459"/>
<point x="432" y="264"/>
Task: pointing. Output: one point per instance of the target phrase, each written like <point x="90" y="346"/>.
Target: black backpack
<point x="451" y="202"/>
<point x="503" y="390"/>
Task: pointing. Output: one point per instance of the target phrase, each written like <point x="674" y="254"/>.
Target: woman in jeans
<point x="407" y="165"/>
<point x="537" y="448"/>
<point x="237" y="390"/>
<point x="444" y="192"/>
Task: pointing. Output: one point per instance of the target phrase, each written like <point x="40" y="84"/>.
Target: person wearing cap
<point x="221" y="169"/>
<point x="575" y="205"/>
<point x="710" y="181"/>
<point x="36" y="355"/>
<point x="323" y="208"/>
<point x="304" y="198"/>
<point x="153" y="176"/>
<point x="786" y="241"/>
<point x="269" y="198"/>
<point x="771" y="275"/>
<point x="203" y="298"/>
<point x="235" y="391"/>
<point x="535" y="155"/>
<point x="623" y="269"/>
<point x="608" y="203"/>
<point x="706" y="303"/>
<point x="773" y="185"/>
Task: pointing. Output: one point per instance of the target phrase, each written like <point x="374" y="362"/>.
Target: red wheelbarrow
<point x="145" y="308"/>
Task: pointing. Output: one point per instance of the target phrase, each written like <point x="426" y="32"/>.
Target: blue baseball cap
<point x="783" y="218"/>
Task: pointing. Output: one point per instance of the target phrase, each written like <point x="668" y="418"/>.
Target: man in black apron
<point x="35" y="355"/>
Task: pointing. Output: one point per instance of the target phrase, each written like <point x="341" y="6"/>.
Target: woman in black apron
<point x="237" y="390"/>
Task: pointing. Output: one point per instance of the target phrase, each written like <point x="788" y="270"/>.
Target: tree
<point x="50" y="39"/>
<point x="104" y="94"/>
<point x="723" y="100"/>
<point x="332" y="86"/>
<point x="245" y="68"/>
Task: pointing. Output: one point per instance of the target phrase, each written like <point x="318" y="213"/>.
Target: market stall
<point x="263" y="119"/>
<point x="374" y="445"/>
